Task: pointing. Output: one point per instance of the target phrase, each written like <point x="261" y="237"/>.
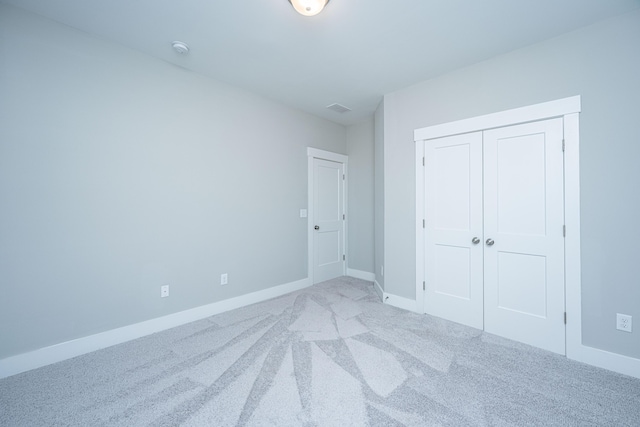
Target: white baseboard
<point x="364" y="275"/>
<point x="607" y="360"/>
<point x="591" y="356"/>
<point x="45" y="356"/>
<point x="400" y="302"/>
<point x="378" y="289"/>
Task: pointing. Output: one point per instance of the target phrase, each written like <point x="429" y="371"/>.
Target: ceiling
<point x="352" y="53"/>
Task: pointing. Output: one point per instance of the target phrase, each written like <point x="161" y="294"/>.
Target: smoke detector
<point x="180" y="47"/>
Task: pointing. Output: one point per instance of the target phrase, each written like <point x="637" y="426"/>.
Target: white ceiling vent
<point x="338" y="108"/>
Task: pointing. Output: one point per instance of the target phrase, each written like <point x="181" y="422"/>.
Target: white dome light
<point x="308" y="7"/>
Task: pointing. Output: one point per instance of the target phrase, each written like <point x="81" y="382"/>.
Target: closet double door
<point x="494" y="231"/>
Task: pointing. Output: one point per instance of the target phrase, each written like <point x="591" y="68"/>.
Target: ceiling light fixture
<point x="308" y="7"/>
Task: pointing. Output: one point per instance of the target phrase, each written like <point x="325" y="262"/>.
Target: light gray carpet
<point x="330" y="355"/>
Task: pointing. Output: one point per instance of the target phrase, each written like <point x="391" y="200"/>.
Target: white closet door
<point x="523" y="233"/>
<point x="453" y="213"/>
<point x="328" y="210"/>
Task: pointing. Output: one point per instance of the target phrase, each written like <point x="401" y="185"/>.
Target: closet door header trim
<point x="531" y="113"/>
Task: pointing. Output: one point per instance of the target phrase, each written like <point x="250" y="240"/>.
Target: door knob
<point x="316" y="227"/>
<point x="475" y="240"/>
<point x="490" y="242"/>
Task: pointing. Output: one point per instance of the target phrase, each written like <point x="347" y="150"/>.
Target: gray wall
<point x="602" y="64"/>
<point x="379" y="192"/>
<point x="360" y="193"/>
<point x="120" y="173"/>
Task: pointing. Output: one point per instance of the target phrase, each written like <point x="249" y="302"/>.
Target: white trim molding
<point x="56" y="353"/>
<point x="607" y="360"/>
<point x="573" y="281"/>
<point x="363" y="275"/>
<point x="315" y="153"/>
<point x="531" y="113"/>
<point x="378" y="290"/>
<point x="420" y="264"/>
<point x="400" y="302"/>
<point x="327" y="155"/>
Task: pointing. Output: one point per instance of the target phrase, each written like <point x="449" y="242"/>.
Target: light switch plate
<point x="303" y="213"/>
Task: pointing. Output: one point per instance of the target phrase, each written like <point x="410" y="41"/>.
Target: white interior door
<point x="453" y="216"/>
<point x="523" y="233"/>
<point x="328" y="211"/>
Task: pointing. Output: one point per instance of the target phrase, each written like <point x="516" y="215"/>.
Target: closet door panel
<point x="453" y="214"/>
<point x="523" y="227"/>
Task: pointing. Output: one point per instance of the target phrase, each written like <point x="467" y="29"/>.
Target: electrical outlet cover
<point x="624" y="322"/>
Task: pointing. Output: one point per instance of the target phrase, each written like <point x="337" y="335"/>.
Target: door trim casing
<point x="568" y="109"/>
<point x="315" y="153"/>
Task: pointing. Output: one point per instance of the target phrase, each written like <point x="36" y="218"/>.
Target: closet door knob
<point x="316" y="228"/>
<point x="475" y="240"/>
<point x="490" y="242"/>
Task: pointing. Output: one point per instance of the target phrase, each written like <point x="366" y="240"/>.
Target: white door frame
<point x="314" y="153"/>
<point x="569" y="109"/>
